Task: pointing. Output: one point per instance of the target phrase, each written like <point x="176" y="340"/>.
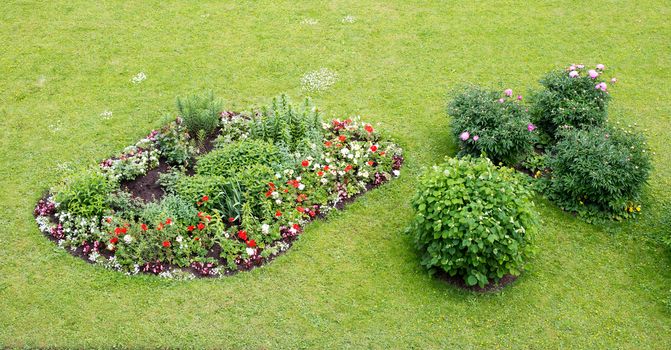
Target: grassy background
<point x="353" y="281"/>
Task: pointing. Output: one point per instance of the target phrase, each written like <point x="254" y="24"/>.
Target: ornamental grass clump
<point x="599" y="172"/>
<point x="473" y="220"/>
<point x="200" y="113"/>
<point x="576" y="96"/>
<point x="491" y="123"/>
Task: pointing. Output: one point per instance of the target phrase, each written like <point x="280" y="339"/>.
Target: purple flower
<point x="508" y="92"/>
<point x="593" y="74"/>
<point x="573" y="74"/>
<point x="519" y="97"/>
<point x="600" y="66"/>
<point x="531" y="127"/>
<point x="476" y="137"/>
<point x="464" y="136"/>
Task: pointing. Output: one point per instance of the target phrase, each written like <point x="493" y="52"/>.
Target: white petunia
<point x="127" y="239"/>
<point x="265" y="228"/>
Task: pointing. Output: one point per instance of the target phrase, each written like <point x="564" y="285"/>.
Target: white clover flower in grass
<point x="138" y="78"/>
<point x="105" y="115"/>
<point x="309" y="21"/>
<point x="349" y="19"/>
<point x="319" y="80"/>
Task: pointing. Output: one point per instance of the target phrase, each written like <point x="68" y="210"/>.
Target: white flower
<point x="301" y="187"/>
<point x="319" y="80"/>
<point x="349" y="19"/>
<point x="265" y="228"/>
<point x="327" y="160"/>
<point x="324" y="180"/>
<point x="179" y="239"/>
<point x="278" y="201"/>
<point x="138" y="78"/>
<point x="275" y="194"/>
<point x="344" y="151"/>
<point x="94" y="256"/>
<point x="278" y="176"/>
<point x="298" y="179"/>
<point x="251" y="251"/>
<point x="110" y="246"/>
<point x="127" y="239"/>
<point x="396" y="173"/>
<point x="106" y="114"/>
<point x="350" y="156"/>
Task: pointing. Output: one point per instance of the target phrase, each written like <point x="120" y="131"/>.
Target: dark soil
<point x="146" y="186"/>
<point x="459" y="282"/>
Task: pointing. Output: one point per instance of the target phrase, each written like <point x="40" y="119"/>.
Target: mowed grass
<point x="352" y="281"/>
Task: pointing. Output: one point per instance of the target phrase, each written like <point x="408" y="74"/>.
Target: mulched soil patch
<point x="459" y="282"/>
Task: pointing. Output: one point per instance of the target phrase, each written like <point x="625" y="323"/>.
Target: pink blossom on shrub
<point x="464" y="136"/>
<point x="573" y="74"/>
<point x="593" y="74"/>
<point x="508" y="92"/>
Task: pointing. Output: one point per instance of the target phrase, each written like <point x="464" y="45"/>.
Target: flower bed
<point x="183" y="202"/>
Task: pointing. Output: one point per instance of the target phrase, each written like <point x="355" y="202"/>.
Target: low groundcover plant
<point x="229" y="196"/>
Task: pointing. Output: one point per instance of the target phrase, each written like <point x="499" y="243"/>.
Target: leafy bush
<point x="200" y="113"/>
<point x="175" y="145"/>
<point x="85" y="193"/>
<point x="229" y="159"/>
<point x="221" y="193"/>
<point x="599" y="171"/>
<point x="170" y="206"/>
<point x="473" y="220"/>
<point x="570" y="97"/>
<point x="484" y="122"/>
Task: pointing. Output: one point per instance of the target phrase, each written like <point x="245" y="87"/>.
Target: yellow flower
<point x="638" y="208"/>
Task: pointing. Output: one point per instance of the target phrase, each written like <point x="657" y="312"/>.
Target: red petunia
<point x="159" y="227"/>
<point x="242" y="234"/>
<point x="197" y="238"/>
<point x="205" y="198"/>
<point x="166" y="244"/>
<point x="278" y="213"/>
<point x="300" y="209"/>
<point x="305" y="163"/>
<point x="208" y="218"/>
<point x="144" y="227"/>
<point x="326" y="168"/>
<point x="370" y="162"/>
<point x="297" y="226"/>
<point x="117" y="231"/>
<point x="269" y="193"/>
<point x="328" y="143"/>
<point x="231" y="219"/>
<point x="368" y="128"/>
<point x="348" y="168"/>
<point x="320" y="173"/>
<point x="201" y="226"/>
<point x="200" y="213"/>
<point x="251" y="243"/>
<point x="373" y="148"/>
<point x="190" y="228"/>
<point x="168" y="221"/>
<point x="113" y="240"/>
<point x="342" y="138"/>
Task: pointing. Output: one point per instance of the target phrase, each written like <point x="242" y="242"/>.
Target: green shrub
<point x="599" y="171"/>
<point x="171" y="206"/>
<point x="223" y="194"/>
<point x="85" y="193"/>
<point x="230" y="159"/>
<point x="566" y="100"/>
<point x="484" y="122"/>
<point x="473" y="220"/>
<point x="175" y="145"/>
<point x="200" y="113"/>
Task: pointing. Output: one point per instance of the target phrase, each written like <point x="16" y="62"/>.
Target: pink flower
<point x="531" y="127"/>
<point x="464" y="136"/>
<point x="614" y="80"/>
<point x="600" y="66"/>
<point x="571" y="68"/>
<point x="476" y="137"/>
<point x="501" y="100"/>
<point x="573" y="74"/>
<point x="508" y="92"/>
<point x="580" y="66"/>
<point x="593" y="74"/>
<point x="519" y="97"/>
<point x="601" y="86"/>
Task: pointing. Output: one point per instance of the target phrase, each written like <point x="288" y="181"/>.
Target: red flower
<point x="168" y="221"/>
<point x="300" y="209"/>
<point x="271" y="185"/>
<point x="166" y="244"/>
<point x="297" y="226"/>
<point x="278" y="213"/>
<point x="159" y="227"/>
<point x="320" y="173"/>
<point x="269" y="193"/>
<point x="348" y="120"/>
<point x="201" y="226"/>
<point x="373" y="148"/>
<point x="205" y="198"/>
<point x="370" y="162"/>
<point x="242" y="234"/>
<point x="208" y="218"/>
<point x="231" y="219"/>
<point x="326" y="168"/>
<point x="197" y="238"/>
<point x="382" y="153"/>
<point x="190" y="228"/>
<point x="108" y="220"/>
<point x="368" y="128"/>
<point x="117" y="231"/>
<point x="144" y="227"/>
<point x="200" y="213"/>
<point x="328" y="143"/>
<point x="305" y="163"/>
<point x="114" y="240"/>
<point x="348" y="168"/>
<point x="251" y="243"/>
<point x="342" y="138"/>
<point x="124" y="230"/>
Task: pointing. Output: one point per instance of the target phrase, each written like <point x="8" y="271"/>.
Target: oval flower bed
<point x="213" y="192"/>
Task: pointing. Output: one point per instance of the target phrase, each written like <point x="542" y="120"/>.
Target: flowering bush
<point x="473" y="220"/>
<point x="599" y="171"/>
<point x="576" y="96"/>
<point x="491" y="123"/>
<point x="271" y="172"/>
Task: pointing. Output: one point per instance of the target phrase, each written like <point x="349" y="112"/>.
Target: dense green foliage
<point x="224" y="193"/>
<point x="200" y="113"/>
<point x="231" y="158"/>
<point x="485" y="122"/>
<point x="566" y="100"/>
<point x="85" y="193"/>
<point x="473" y="220"/>
<point x="599" y="171"/>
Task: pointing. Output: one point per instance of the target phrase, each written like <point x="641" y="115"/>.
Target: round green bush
<point x="492" y="123"/>
<point x="599" y="171"/>
<point x="230" y="159"/>
<point x="570" y="97"/>
<point x="473" y="220"/>
<point x="85" y="193"/>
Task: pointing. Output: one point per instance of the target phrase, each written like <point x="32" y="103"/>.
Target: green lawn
<point x="354" y="280"/>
